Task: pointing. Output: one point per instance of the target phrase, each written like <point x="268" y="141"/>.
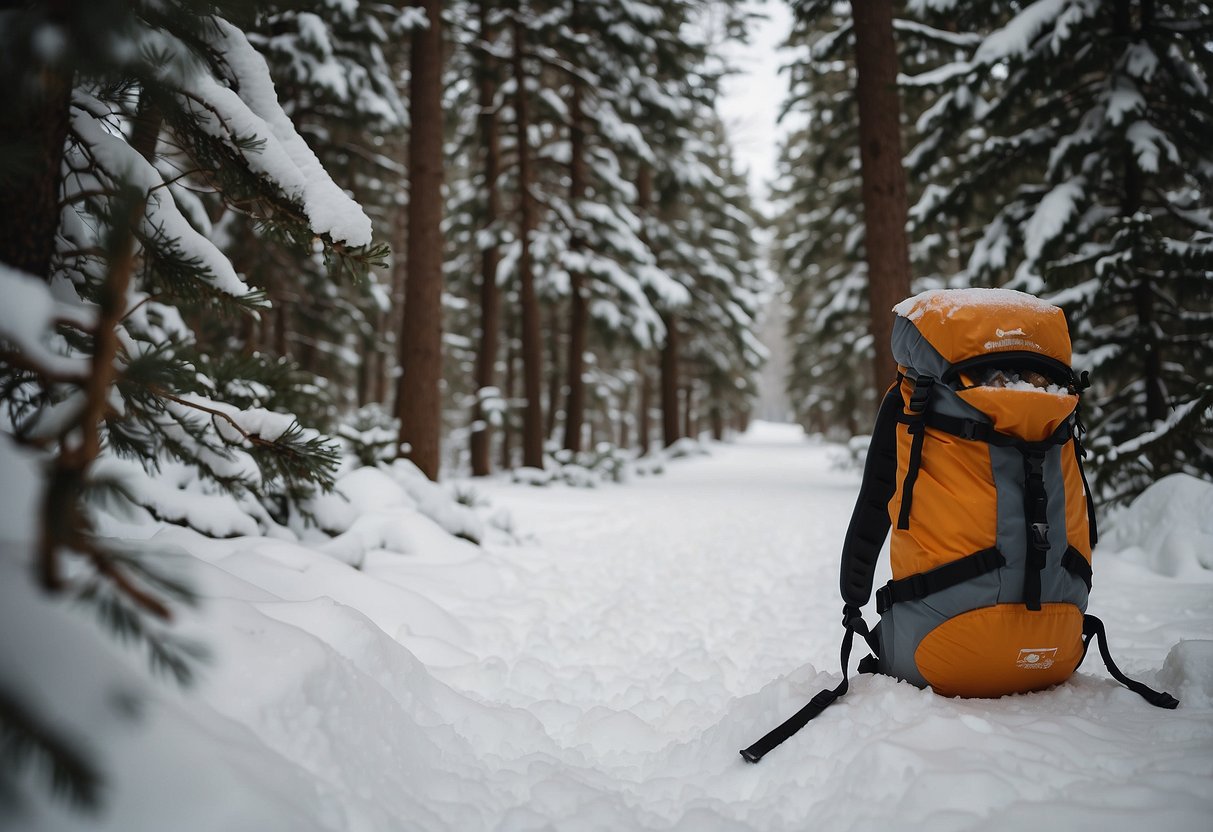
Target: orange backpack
<point x="976" y="461"/>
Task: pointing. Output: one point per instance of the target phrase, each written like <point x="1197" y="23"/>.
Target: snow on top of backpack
<point x="947" y="301"/>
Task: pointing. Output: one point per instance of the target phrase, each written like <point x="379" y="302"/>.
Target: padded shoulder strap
<point x="870" y="520"/>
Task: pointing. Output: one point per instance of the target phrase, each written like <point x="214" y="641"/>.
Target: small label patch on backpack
<point x="1036" y="658"/>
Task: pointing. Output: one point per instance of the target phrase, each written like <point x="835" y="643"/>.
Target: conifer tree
<point x="105" y="382"/>
<point x="1097" y="116"/>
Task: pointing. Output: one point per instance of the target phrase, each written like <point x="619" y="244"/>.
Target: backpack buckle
<point x="922" y="392"/>
<point x="1040" y="535"/>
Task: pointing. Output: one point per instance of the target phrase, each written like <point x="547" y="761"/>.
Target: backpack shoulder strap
<point x="870" y="520"/>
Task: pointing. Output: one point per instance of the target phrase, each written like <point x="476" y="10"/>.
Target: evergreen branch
<point x="253" y="438"/>
<point x="104" y="563"/>
<point x="166" y="653"/>
<point x="25" y="740"/>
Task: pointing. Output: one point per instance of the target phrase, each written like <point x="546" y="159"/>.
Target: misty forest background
<point x="557" y="260"/>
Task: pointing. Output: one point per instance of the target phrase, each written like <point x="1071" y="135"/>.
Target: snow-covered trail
<point x="655" y="629"/>
<point x="679" y="591"/>
<point x="602" y="672"/>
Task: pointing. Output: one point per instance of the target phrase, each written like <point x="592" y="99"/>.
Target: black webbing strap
<point x="915" y="422"/>
<point x="854" y="623"/>
<point x="1080" y="453"/>
<point x="1078" y="566"/>
<point x="938" y="579"/>
<point x="870" y="519"/>
<point x="1036" y="512"/>
<point x="1092" y="627"/>
<point x="984" y="432"/>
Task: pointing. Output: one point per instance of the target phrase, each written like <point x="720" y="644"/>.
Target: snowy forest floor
<point x="602" y="672"/>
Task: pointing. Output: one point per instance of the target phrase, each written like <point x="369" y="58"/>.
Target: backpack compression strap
<point x="1092" y="628"/>
<point x="860" y="550"/>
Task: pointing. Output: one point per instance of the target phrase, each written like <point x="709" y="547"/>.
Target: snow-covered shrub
<point x="371" y="435"/>
<point x="685" y="447"/>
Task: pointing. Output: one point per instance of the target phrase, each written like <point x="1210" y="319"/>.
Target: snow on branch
<point x="249" y="109"/>
<point x="30" y="314"/>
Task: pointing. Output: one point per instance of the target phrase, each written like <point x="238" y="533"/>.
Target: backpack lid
<point x="965" y="323"/>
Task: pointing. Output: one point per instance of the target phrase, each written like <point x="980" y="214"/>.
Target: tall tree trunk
<point x="670" y="427"/>
<point x="624" y="416"/>
<point x="532" y="351"/>
<point x="644" y="428"/>
<point x="578" y="313"/>
<point x="490" y="293"/>
<point x="884" y="181"/>
<point x="419" y="396"/>
<point x="688" y="428"/>
<point x="552" y="372"/>
<point x="507" y="423"/>
<point x="716" y="411"/>
<point x="33" y="128"/>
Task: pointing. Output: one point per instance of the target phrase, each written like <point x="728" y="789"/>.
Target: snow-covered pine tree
<point x="142" y="106"/>
<point x="721" y="349"/>
<point x="818" y="232"/>
<point x="332" y="66"/>
<point x="1089" y="125"/>
<point x="819" y="229"/>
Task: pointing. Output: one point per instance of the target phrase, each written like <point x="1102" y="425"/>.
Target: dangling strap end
<point x="1161" y="699"/>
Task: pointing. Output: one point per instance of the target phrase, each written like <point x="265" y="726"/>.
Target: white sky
<point x="751" y="98"/>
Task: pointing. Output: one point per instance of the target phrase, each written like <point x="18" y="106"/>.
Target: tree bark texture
<point x="36" y="130"/>
<point x="578" y="308"/>
<point x="490" y="293"/>
<point x="644" y="428"/>
<point x="670" y="427"/>
<point x="884" y="181"/>
<point x="552" y="374"/>
<point x="419" y="397"/>
<point x="532" y="352"/>
<point x="511" y="382"/>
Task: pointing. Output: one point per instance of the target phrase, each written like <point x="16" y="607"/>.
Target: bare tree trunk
<point x="490" y="293"/>
<point x="532" y="352"/>
<point x="507" y="424"/>
<point x="419" y="396"/>
<point x="553" y="375"/>
<point x="644" y="428"/>
<point x="578" y="312"/>
<point x="884" y="181"/>
<point x="625" y="400"/>
<point x="689" y="415"/>
<point x="669" y="383"/>
<point x="33" y="129"/>
<point x="392" y="336"/>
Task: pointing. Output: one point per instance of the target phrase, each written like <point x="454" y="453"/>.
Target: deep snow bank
<point x="1168" y="528"/>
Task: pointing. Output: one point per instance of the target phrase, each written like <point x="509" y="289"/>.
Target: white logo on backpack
<point x="1036" y="658"/>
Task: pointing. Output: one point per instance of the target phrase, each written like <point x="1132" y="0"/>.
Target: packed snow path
<point x="657" y="628"/>
<point x="602" y="671"/>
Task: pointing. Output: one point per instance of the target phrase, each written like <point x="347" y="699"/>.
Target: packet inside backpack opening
<point x="1017" y="379"/>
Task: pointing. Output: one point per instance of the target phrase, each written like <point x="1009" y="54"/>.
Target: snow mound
<point x="947" y="301"/>
<point x="1168" y="528"/>
<point x="1188" y="673"/>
